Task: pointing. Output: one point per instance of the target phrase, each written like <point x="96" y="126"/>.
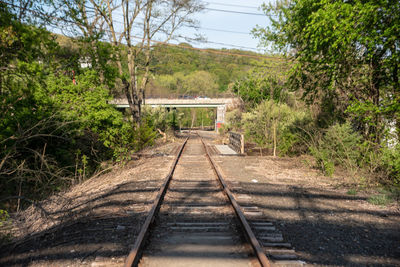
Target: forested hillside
<point x="187" y="71"/>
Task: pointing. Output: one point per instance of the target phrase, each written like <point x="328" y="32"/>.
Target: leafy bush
<point x="161" y="118"/>
<point x="194" y="83"/>
<point x="340" y="145"/>
<point x="52" y="130"/>
<point x="4" y="216"/>
<point x="273" y="124"/>
<point x="233" y="119"/>
<point x="390" y="164"/>
<point x="261" y="84"/>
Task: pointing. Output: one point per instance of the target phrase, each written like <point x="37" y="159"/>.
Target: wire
<point x="216" y="30"/>
<point x="210" y="42"/>
<point x="206" y="41"/>
<point x="213" y="51"/>
<point x="164" y="43"/>
<point x="235" y="12"/>
<point x="233" y="5"/>
<point x="195" y="27"/>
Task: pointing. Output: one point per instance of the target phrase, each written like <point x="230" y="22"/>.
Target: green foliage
<point x="352" y="192"/>
<point x="346" y="58"/>
<point x="200" y="83"/>
<point x="144" y="135"/>
<point x="100" y="56"/>
<point x="381" y="199"/>
<point x="4" y="216"/>
<point x="47" y="121"/>
<point x="340" y="145"/>
<point x="50" y="127"/>
<point x="261" y="84"/>
<point x="84" y="102"/>
<point x="200" y="117"/>
<point x="390" y="163"/>
<point x="168" y="61"/>
<point x="271" y="118"/>
<point x="233" y="119"/>
<point x="346" y="62"/>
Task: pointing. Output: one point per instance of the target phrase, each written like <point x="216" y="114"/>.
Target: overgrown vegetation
<point x="344" y="65"/>
<point x="56" y="126"/>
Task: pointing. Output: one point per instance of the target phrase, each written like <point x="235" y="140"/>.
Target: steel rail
<point x="135" y="254"/>
<point x="262" y="258"/>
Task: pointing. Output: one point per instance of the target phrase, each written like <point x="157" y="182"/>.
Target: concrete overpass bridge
<point x="221" y="104"/>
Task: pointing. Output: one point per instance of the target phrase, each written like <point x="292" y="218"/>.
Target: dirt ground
<point x="95" y="223"/>
<point x="326" y="226"/>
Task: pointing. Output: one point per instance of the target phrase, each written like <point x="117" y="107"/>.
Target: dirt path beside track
<point x="326" y="226"/>
<point x="94" y="223"/>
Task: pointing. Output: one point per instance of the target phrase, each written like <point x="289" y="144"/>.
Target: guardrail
<point x="236" y="141"/>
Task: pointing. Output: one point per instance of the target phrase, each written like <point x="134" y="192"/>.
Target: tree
<point x="52" y="124"/>
<point x="346" y="56"/>
<point x="143" y="21"/>
<point x="265" y="81"/>
<point x="275" y="125"/>
<point x="200" y="83"/>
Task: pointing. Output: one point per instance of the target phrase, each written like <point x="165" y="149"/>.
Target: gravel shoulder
<point x="94" y="223"/>
<point x="326" y="226"/>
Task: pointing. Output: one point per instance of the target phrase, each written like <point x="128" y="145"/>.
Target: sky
<point x="241" y="24"/>
<point x="221" y="29"/>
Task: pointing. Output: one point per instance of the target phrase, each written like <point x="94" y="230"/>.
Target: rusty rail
<point x="262" y="258"/>
<point x="135" y="254"/>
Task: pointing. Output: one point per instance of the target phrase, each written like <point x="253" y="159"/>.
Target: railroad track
<point x="196" y="221"/>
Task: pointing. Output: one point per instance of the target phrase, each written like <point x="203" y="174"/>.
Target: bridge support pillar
<point x="221" y="110"/>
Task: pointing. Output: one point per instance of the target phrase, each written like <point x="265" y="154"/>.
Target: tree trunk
<point x="375" y="90"/>
<point x="131" y="91"/>
<point x="274" y="136"/>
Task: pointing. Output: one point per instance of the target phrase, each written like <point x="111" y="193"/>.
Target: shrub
<point x="233" y="119"/>
<point x="52" y="129"/>
<point x="161" y="118"/>
<point x="390" y="164"/>
<point x="381" y="199"/>
<point x="273" y="124"/>
<point x="352" y="192"/>
<point x="340" y="145"/>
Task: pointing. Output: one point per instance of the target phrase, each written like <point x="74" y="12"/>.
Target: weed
<point x="328" y="168"/>
<point x="381" y="199"/>
<point x="307" y="163"/>
<point x="352" y="192"/>
<point x="4" y="216"/>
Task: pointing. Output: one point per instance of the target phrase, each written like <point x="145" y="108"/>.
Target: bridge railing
<point x="190" y="96"/>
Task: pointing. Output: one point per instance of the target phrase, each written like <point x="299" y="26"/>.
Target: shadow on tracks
<point x="324" y="232"/>
<point x="103" y="227"/>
